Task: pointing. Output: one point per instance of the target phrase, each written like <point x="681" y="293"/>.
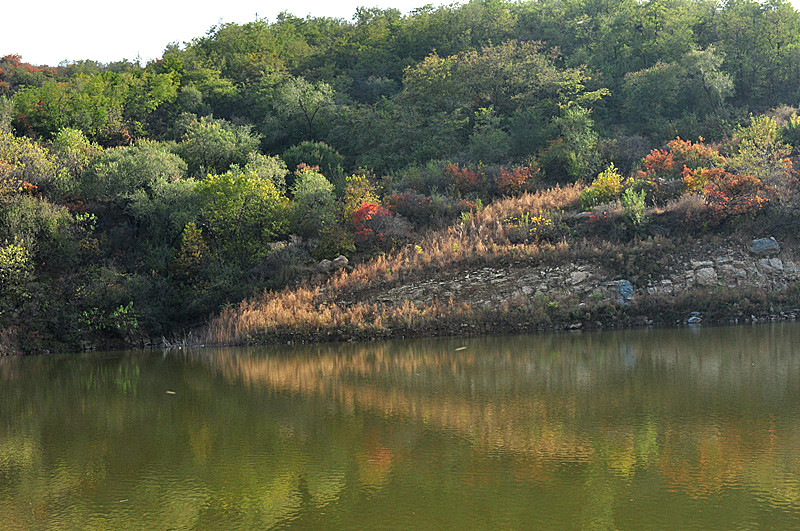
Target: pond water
<point x="691" y="428"/>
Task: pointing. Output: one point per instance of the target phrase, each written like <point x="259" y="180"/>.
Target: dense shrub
<point x="375" y="226"/>
<point x="529" y="228"/>
<point x="358" y="190"/>
<point x="318" y="154"/>
<point x="757" y="150"/>
<point x="433" y="210"/>
<point x="697" y="180"/>
<point x="26" y="161"/>
<point x="268" y="168"/>
<point x="514" y="181"/>
<point x="605" y="188"/>
<point x="241" y="214"/>
<point x="16" y="274"/>
<point x="119" y="172"/>
<point x="466" y="180"/>
<point x="790" y="133"/>
<point x="666" y="165"/>
<point x="727" y="196"/>
<point x="736" y="196"/>
<point x="212" y="146"/>
<point x="314" y="206"/>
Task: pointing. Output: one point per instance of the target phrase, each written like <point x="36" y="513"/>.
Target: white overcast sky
<point x="50" y="31"/>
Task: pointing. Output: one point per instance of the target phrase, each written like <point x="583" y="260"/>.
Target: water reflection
<point x="669" y="428"/>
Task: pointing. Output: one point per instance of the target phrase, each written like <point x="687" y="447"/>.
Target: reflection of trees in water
<point x="696" y="413"/>
<point x="696" y="405"/>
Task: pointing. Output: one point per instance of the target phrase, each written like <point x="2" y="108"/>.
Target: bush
<point x="376" y="226"/>
<point x="314" y="203"/>
<point x="74" y="150"/>
<point x="317" y="154"/>
<point x="272" y="169"/>
<point x="16" y="273"/>
<point x="192" y="254"/>
<point x="212" y="146"/>
<point x="423" y="210"/>
<point x="26" y="161"/>
<point x="358" y="190"/>
<point x="528" y="228"/>
<point x="605" y="188"/>
<point x="573" y="155"/>
<point x="667" y="165"/>
<point x="757" y="150"/>
<point x="43" y="228"/>
<point x="516" y="180"/>
<point x="117" y="173"/>
<point x="697" y="180"/>
<point x="334" y="240"/>
<point x="432" y="177"/>
<point x="790" y="133"/>
<point x="633" y="206"/>
<point x="735" y="196"/>
<point x="242" y="214"/>
<point x="466" y="180"/>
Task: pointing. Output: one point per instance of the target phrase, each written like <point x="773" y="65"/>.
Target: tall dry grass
<point x="323" y="311"/>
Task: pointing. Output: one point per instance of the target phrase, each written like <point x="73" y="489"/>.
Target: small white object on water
<point x="461" y="348"/>
<point x="170" y="392"/>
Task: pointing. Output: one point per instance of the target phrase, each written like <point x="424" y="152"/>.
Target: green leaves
<point x="211" y="145"/>
<point x="243" y="213"/>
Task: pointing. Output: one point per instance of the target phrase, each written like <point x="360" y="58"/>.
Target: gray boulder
<point x="765" y="247"/>
<point x="624" y="291"/>
<point x="706" y="276"/>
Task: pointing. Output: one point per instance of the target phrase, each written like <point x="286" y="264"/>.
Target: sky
<point x="46" y="32"/>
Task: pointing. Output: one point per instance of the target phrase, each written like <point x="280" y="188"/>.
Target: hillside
<point x="141" y="202"/>
<point x="478" y="278"/>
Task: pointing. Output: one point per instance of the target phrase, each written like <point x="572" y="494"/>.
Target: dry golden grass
<point x="318" y="311"/>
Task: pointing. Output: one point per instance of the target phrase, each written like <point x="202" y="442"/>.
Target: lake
<point x="686" y="428"/>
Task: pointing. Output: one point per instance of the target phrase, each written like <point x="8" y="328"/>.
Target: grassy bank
<point x="353" y="304"/>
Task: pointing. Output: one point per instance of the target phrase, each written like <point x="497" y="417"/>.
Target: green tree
<point x="241" y="214"/>
<point x="574" y="154"/>
<point x="758" y="150"/>
<point x="16" y="275"/>
<point x="656" y="99"/>
<point x="316" y="154"/>
<point x="119" y="172"/>
<point x="314" y="206"/>
<point x="212" y="145"/>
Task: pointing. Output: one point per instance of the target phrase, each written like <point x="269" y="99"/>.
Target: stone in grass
<point x="340" y="262"/>
<point x="706" y="276"/>
<point x="765" y="246"/>
<point x="624" y="292"/>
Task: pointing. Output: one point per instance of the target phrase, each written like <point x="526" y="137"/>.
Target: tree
<point x="304" y="102"/>
<point x="574" y="154"/>
<point x="241" y="213"/>
<point x="316" y="154"/>
<point x="659" y="97"/>
<point x="759" y="151"/>
<point x="108" y="107"/>
<point x="119" y="172"/>
<point x="314" y="203"/>
<point x="212" y="145"/>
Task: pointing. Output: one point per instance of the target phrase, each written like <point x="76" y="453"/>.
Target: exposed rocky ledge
<point x="758" y="264"/>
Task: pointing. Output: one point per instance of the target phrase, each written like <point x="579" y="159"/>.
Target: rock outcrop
<point x="735" y="266"/>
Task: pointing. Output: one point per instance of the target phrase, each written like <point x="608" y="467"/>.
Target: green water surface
<point x="656" y="429"/>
